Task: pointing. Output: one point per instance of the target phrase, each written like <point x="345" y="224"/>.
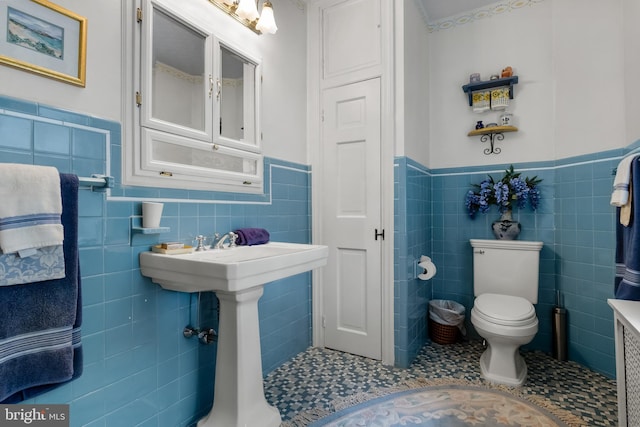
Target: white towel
<point x="625" y="211"/>
<point x="620" y="195"/>
<point x="481" y="101"/>
<point x="30" y="207"/>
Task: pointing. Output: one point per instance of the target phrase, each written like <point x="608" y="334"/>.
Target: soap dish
<point x="159" y="249"/>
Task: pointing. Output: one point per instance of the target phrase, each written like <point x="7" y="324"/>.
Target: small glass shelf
<point x="158" y="230"/>
<point x="137" y="228"/>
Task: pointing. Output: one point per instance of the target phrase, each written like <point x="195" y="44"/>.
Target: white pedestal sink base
<point x="238" y="276"/>
<point x="238" y="399"/>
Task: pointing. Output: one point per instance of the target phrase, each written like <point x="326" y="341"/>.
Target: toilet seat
<point x="504" y="310"/>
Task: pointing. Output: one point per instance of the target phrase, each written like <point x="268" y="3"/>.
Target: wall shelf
<point x="474" y="87"/>
<point x="137" y="228"/>
<point x="158" y="230"/>
<point x="492" y="134"/>
<point x="492" y="129"/>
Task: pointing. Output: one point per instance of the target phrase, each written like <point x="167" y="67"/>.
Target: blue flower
<point x="472" y="203"/>
<point x="509" y="192"/>
<point x="520" y="190"/>
<point x="534" y="198"/>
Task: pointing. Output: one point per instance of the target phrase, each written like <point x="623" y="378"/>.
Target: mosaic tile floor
<point x="317" y="377"/>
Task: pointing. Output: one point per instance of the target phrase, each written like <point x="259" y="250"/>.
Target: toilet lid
<point x="504" y="309"/>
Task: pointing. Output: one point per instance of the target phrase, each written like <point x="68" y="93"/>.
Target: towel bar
<point x="96" y="182"/>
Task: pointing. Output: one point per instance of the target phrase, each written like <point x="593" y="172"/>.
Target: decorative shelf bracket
<point x="492" y="134"/>
<point x="491" y="137"/>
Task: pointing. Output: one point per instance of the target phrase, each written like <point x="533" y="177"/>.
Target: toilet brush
<point x="559" y="329"/>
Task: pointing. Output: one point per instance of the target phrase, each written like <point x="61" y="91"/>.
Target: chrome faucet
<point x="200" y="246"/>
<point x="232" y="240"/>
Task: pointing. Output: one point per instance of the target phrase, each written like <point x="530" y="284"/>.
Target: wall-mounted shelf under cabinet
<point x="157" y="230"/>
<point x="474" y="87"/>
<point x="137" y="228"/>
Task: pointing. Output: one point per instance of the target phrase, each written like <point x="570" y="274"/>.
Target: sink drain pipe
<point x="205" y="335"/>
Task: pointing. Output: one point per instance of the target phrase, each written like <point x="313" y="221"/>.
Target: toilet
<point x="505" y="286"/>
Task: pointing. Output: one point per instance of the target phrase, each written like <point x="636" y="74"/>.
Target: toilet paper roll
<point x="428" y="268"/>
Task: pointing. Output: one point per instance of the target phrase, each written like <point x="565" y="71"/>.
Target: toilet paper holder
<point x="425" y="269"/>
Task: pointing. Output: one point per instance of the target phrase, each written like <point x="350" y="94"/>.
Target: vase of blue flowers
<point x="506" y="228"/>
<point x="509" y="193"/>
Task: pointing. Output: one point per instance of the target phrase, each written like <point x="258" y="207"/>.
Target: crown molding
<point x="497" y="8"/>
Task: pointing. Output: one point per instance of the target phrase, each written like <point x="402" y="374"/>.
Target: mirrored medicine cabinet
<point x="197" y="107"/>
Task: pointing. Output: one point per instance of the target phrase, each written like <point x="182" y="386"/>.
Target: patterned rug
<point x="430" y="403"/>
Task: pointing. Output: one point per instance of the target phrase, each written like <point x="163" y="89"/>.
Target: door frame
<point x="315" y="86"/>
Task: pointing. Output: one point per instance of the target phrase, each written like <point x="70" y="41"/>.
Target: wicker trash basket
<point x="445" y="320"/>
<point x="443" y="334"/>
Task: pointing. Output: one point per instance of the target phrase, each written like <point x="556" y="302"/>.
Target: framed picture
<point x="43" y="38"/>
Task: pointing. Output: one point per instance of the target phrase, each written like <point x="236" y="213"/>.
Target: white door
<point x="351" y="216"/>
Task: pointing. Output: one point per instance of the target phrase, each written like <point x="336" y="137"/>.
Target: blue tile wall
<point x="412" y="236"/>
<point x="585" y="246"/>
<point x="453" y="228"/>
<point x="575" y="222"/>
<point x="138" y="367"/>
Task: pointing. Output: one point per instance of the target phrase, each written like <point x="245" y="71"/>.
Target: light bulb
<point x="248" y="10"/>
<point x="267" y="22"/>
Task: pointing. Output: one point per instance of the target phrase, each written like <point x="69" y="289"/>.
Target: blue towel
<point x="47" y="263"/>
<point x="627" y="280"/>
<point x="252" y="236"/>
<point x="40" y="345"/>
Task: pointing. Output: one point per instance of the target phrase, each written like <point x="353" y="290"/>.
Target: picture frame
<point x="45" y="39"/>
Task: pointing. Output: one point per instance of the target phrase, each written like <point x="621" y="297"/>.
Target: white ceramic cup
<point x="151" y="214"/>
<point x="505" y="119"/>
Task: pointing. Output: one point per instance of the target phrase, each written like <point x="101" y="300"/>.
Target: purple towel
<point x="252" y="236"/>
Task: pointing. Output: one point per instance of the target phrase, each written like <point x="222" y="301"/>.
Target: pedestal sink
<point x="237" y="276"/>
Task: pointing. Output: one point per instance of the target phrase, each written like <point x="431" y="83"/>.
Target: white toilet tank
<point x="507" y="267"/>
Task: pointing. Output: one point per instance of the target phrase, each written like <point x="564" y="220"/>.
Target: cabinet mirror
<point x="178" y="85"/>
<point x="237" y="100"/>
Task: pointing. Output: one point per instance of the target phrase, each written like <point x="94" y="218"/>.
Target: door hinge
<point x="324" y="322"/>
<point x="139" y="15"/>
<point x="376" y="234"/>
<point x="138" y="99"/>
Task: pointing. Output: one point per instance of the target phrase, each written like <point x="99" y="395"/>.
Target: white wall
<point x="568" y="55"/>
<point x="631" y="16"/>
<point x="413" y="118"/>
<point x="284" y="90"/>
<point x="284" y="71"/>
<point x="589" y="76"/>
<point x="101" y="96"/>
<point x="520" y="39"/>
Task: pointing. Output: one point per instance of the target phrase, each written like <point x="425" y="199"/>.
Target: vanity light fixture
<point x="246" y="12"/>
